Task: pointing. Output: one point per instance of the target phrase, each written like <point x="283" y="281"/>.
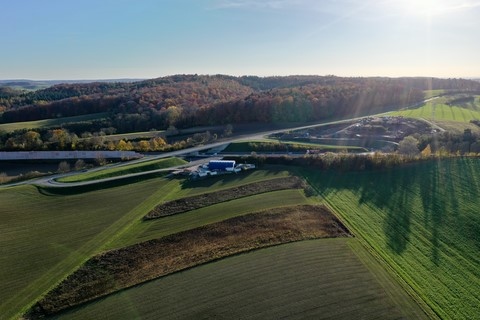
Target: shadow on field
<point x="433" y="204"/>
<point x="387" y="193"/>
<point x="438" y="198"/>
<point x="437" y="195"/>
<point x="383" y="190"/>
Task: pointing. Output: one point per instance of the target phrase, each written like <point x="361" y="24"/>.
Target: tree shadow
<point x="434" y="205"/>
<point x="382" y="189"/>
<point x="387" y="192"/>
<point x="434" y="202"/>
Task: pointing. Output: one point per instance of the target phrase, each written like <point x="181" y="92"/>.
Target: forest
<point x="185" y="101"/>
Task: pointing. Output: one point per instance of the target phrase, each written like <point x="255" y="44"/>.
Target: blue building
<point x="224" y="165"/>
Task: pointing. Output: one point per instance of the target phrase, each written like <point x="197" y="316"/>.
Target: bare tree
<point x="228" y="130"/>
<point x="63" y="167"/>
<point x="100" y="160"/>
<point x="408" y="146"/>
<point x="3" y="177"/>
<point x="79" y="164"/>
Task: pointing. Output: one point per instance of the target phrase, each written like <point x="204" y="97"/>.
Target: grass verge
<point x="123" y="170"/>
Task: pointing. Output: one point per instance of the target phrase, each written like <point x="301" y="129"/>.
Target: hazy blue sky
<point x="99" y="39"/>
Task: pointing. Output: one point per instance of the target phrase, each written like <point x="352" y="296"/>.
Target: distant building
<point x="222" y="165"/>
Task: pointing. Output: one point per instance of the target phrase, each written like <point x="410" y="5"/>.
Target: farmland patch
<point x="447" y="108"/>
<point x="128" y="266"/>
<point x="423" y="221"/>
<point x="208" y="199"/>
<point x="315" y="279"/>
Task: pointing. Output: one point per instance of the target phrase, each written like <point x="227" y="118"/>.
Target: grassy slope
<point x="244" y="146"/>
<point x="316" y="279"/>
<point x="432" y="93"/>
<point x="142" y="230"/>
<point x="50" y="122"/>
<point x="438" y="110"/>
<point x="423" y="220"/>
<point x="118" y="171"/>
<point x="45" y="237"/>
<point x="146" y="230"/>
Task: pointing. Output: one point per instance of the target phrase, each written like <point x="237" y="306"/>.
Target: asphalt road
<point x="51" y="180"/>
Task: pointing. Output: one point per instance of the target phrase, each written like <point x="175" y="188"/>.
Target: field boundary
<point x="208" y="199"/>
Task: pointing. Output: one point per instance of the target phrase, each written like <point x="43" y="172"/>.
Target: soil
<point x="208" y="199"/>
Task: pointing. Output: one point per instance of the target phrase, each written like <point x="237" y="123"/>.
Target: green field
<point x="438" y="110"/>
<point x="433" y="93"/>
<point x="318" y="279"/>
<point x="57" y="122"/>
<point x="292" y="146"/>
<point x="423" y="221"/>
<point x="44" y="237"/>
<point x="123" y="170"/>
<point x="146" y="230"/>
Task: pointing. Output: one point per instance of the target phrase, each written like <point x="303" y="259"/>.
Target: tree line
<point x="185" y="100"/>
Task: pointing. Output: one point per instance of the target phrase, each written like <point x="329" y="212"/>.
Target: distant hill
<point x="186" y="101"/>
<point x="22" y="84"/>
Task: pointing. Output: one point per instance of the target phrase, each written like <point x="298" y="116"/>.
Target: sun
<point x="428" y="7"/>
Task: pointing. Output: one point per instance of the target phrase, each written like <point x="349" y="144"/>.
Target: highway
<point x="51" y="180"/>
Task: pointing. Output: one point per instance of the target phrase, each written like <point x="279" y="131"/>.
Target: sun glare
<point x="433" y="7"/>
<point x="423" y="6"/>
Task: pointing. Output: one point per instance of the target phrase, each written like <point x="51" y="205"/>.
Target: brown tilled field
<point x="208" y="199"/>
<point x="122" y="268"/>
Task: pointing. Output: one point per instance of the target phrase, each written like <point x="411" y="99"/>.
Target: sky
<point x="113" y="39"/>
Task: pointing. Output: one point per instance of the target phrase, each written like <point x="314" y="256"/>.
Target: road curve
<point x="50" y="181"/>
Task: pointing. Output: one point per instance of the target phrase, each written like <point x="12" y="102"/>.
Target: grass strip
<point x="115" y="172"/>
<point x="118" y="269"/>
<point x="273" y="145"/>
<point x="208" y="199"/>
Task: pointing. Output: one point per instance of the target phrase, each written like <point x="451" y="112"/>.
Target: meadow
<point x="422" y="220"/>
<point x="271" y="145"/>
<point x="46" y="235"/>
<point x="56" y="122"/>
<point x="118" y="269"/>
<point x="316" y="279"/>
<point x="438" y="110"/>
<point x="433" y="93"/>
<point x="416" y="231"/>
